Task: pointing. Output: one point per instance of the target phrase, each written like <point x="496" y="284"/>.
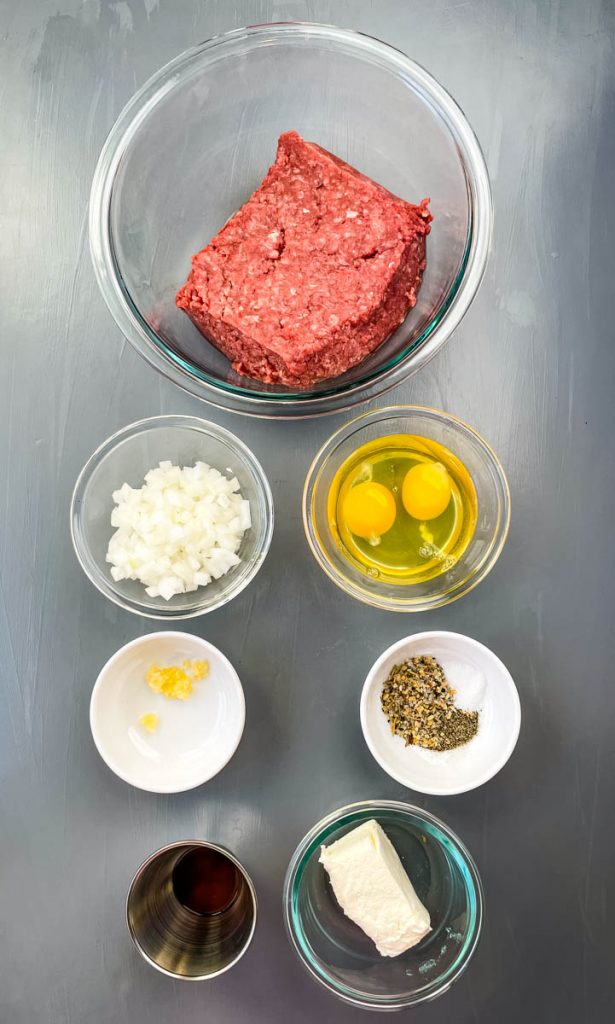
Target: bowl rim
<point x="291" y="403"/>
<point x="232" y="680"/>
<point x="464" y="641"/>
<point x="206" y="844"/>
<point x="90" y="566"/>
<point x="398" y="604"/>
<point x="314" y="837"/>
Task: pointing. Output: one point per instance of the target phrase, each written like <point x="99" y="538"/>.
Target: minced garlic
<point x="175" y="681"/>
<point x="149" y="722"/>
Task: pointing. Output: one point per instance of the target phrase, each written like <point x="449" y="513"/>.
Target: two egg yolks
<point x="369" y="508"/>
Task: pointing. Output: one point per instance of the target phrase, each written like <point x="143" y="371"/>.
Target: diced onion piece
<point x="178" y="531"/>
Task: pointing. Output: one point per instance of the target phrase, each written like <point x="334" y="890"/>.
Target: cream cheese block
<point x="373" y="889"/>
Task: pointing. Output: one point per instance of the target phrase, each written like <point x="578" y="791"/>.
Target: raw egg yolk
<point x="369" y="510"/>
<point x="426" y="490"/>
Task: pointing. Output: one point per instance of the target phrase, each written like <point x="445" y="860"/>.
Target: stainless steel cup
<point x="176" y="940"/>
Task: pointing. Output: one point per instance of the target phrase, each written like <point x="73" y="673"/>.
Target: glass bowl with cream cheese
<point x="338" y="953"/>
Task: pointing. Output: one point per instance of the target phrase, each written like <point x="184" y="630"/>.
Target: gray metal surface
<point x="532" y="367"/>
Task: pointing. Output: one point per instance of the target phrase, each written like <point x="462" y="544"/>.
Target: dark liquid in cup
<point x="205" y="881"/>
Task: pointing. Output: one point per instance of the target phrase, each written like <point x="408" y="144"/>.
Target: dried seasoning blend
<point x="420" y="706"/>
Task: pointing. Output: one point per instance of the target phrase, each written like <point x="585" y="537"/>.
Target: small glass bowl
<point x="126" y="457"/>
<point x="198" y="138"/>
<point x="336" y="951"/>
<point x="485" y="545"/>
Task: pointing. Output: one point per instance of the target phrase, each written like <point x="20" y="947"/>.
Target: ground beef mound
<point x="312" y="274"/>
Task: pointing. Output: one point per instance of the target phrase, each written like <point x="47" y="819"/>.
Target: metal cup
<point x="176" y="940"/>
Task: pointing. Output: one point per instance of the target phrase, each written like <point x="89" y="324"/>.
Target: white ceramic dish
<point x="194" y="739"/>
<point x="481" y="682"/>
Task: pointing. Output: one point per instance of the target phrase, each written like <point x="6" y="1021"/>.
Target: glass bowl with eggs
<point x="406" y="508"/>
<point x="171" y="517"/>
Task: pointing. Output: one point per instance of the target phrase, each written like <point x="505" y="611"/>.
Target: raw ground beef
<point x="312" y="274"/>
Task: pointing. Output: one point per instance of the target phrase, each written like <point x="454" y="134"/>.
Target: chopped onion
<point x="179" y="531"/>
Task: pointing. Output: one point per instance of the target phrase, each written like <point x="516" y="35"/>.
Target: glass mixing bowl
<point x="340" y="956"/>
<point x="473" y="563"/>
<point x="126" y="457"/>
<point x="195" y="141"/>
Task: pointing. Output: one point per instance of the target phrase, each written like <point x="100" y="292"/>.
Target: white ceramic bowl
<point x="194" y="739"/>
<point x="482" y="683"/>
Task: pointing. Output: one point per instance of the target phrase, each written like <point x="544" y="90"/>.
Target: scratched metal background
<point x="532" y="367"/>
